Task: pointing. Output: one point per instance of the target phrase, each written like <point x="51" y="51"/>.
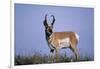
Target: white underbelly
<point x="64" y="43"/>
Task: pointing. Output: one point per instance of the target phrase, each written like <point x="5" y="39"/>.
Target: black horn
<point x="45" y="21"/>
<point x="53" y="19"/>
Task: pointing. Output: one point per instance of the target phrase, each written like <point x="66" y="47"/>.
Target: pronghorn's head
<point x="49" y="28"/>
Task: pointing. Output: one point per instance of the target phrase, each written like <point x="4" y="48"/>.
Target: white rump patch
<point x="77" y="36"/>
<point x="64" y="43"/>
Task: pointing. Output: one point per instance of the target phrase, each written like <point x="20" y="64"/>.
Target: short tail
<point x="77" y="36"/>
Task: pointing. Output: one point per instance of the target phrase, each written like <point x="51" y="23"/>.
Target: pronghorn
<point x="60" y="40"/>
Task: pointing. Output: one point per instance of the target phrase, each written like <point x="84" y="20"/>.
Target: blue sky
<point x="30" y="31"/>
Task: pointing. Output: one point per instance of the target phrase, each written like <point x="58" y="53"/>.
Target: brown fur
<point x="61" y="35"/>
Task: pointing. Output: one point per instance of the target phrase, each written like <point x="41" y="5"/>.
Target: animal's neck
<point x="48" y="34"/>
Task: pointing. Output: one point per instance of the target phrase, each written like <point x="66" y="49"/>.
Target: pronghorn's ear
<point x="45" y="21"/>
<point x="53" y="20"/>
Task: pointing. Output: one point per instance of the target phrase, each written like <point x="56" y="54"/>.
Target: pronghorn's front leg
<point x="54" y="55"/>
<point x="51" y="55"/>
<point x="57" y="54"/>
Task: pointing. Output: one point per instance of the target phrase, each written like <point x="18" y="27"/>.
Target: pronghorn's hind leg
<point x="75" y="51"/>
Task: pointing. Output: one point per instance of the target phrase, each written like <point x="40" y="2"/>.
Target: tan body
<point x="68" y="37"/>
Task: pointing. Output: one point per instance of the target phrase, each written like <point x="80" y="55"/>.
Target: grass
<point x="43" y="59"/>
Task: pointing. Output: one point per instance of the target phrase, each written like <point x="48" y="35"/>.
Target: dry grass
<point x="43" y="59"/>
